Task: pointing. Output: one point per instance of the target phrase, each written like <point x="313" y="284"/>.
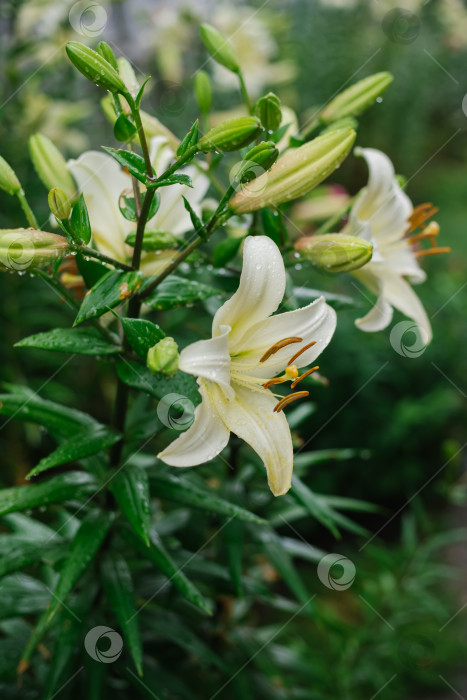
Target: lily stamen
<point x="279" y="345"/>
<point x="288" y="399"/>
<point x="420" y="214"/>
<point x="305" y="374"/>
<point x="430" y="232"/>
<point x="432" y="251"/>
<point x="300" y="352"/>
<point x="291" y="372"/>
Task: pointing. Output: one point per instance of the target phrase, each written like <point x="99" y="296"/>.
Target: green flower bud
<point x="230" y="135"/>
<point x="357" y="98"/>
<point x="219" y="47"/>
<point x="106" y="52"/>
<point x="335" y="252"/>
<point x="25" y="248"/>
<point x="163" y="357"/>
<point x="297" y="172"/>
<point x="51" y="166"/>
<point x="203" y="91"/>
<point x="268" y="110"/>
<point x="264" y="154"/>
<point x="127" y="74"/>
<point x="8" y="180"/>
<point x="95" y="68"/>
<point x="59" y="204"/>
<point x="155" y="240"/>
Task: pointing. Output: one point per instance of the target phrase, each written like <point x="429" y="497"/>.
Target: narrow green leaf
<point x="134" y="162"/>
<point x="64" y="487"/>
<point x="130" y="487"/>
<point x="118" y="587"/>
<point x="139" y="377"/>
<point x="22" y="595"/>
<point x="81" y="551"/>
<point x="189" y="140"/>
<point x="127" y="206"/>
<point x="311" y="502"/>
<point x="23" y="553"/>
<point x="140" y="94"/>
<point x="158" y="555"/>
<point x="90" y="270"/>
<point x="177" y="179"/>
<point x="113" y="288"/>
<point x="225" y="251"/>
<point x="81" y="341"/>
<point x="79" y="222"/>
<point x="37" y="633"/>
<point x="232" y="534"/>
<point x="53" y="416"/>
<point x="141" y="334"/>
<point x="177" y="291"/>
<point x="195" y="220"/>
<point x="86" y="443"/>
<point x="186" y="492"/>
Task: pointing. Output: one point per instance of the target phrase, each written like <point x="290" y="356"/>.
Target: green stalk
<point x="32" y="221"/>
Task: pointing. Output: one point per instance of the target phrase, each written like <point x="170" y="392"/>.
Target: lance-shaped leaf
<point x="79" y="222"/>
<point x="118" y="587"/>
<point x="80" y="341"/>
<point x="132" y="161"/>
<point x="139" y="377"/>
<point x="177" y="291"/>
<point x="141" y="334"/>
<point x="159" y="556"/>
<point x="186" y="492"/>
<point x="113" y="288"/>
<point x="22" y="553"/>
<point x="64" y="487"/>
<point x="86" y="443"/>
<point x="189" y="140"/>
<point x="130" y="487"/>
<point x="81" y="551"/>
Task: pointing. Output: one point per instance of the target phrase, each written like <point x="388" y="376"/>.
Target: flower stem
<point x="244" y="91"/>
<point x="93" y="253"/>
<point x="32" y="221"/>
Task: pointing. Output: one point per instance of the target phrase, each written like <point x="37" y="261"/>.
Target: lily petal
<point x="101" y="180"/>
<point x="205" y="438"/>
<point x="378" y="318"/>
<point x="261" y="288"/>
<point x="314" y="323"/>
<point x="251" y="417"/>
<point x="209" y="359"/>
<point x="400" y="294"/>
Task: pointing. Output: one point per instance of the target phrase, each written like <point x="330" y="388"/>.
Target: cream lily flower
<point x="384" y="215"/>
<point x="235" y="368"/>
<point x="101" y="180"/>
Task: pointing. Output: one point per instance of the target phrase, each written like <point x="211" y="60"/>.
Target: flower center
<point x="291" y="371"/>
<point x="418" y="219"/>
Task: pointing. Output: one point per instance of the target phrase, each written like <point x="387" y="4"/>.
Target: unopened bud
<point x="357" y="98"/>
<point x="264" y="154"/>
<point x="203" y="91"/>
<point x="95" y="68"/>
<point x="268" y="110"/>
<point x="155" y="240"/>
<point x="25" y="248"/>
<point x="106" y="52"/>
<point x="297" y="172"/>
<point x="219" y="47"/>
<point x="8" y="180"/>
<point x="59" y="204"/>
<point x="335" y="252"/>
<point x="230" y="135"/>
<point x="163" y="357"/>
<point x="127" y="74"/>
<point x="51" y="166"/>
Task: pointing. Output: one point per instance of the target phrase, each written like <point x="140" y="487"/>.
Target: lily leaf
<point x="113" y="288"/>
<point x="81" y="341"/>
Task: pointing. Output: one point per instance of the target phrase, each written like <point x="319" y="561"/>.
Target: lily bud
<point x="95" y="68"/>
<point x="155" y="240"/>
<point x="297" y="172"/>
<point x="25" y="248"/>
<point x="8" y="181"/>
<point x="59" y="204"/>
<point x="335" y="252"/>
<point x="163" y="357"/>
<point x="268" y="110"/>
<point x="219" y="47"/>
<point x="264" y="154"/>
<point x="356" y="98"/>
<point x="51" y="166"/>
<point x="127" y="74"/>
<point x="106" y="52"/>
<point x="203" y="91"/>
<point x="230" y="135"/>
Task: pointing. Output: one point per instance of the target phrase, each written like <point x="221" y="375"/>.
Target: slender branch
<point x="142" y="221"/>
<point x="32" y="221"/>
<point x="142" y="139"/>
<point x="93" y="253"/>
<point x="244" y="91"/>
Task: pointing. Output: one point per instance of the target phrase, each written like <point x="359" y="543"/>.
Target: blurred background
<point x="402" y="416"/>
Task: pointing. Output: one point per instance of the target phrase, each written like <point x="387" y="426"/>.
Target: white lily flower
<point x="101" y="180"/>
<point x="384" y="215"/>
<point x="235" y="368"/>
